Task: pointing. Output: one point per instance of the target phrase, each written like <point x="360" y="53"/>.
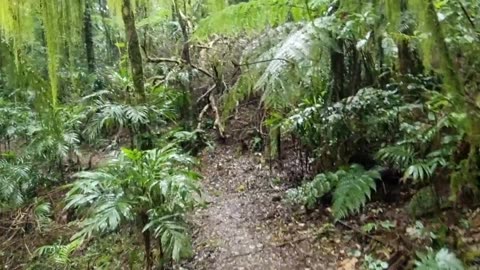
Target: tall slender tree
<point x="134" y="54"/>
<point x="88" y="33"/>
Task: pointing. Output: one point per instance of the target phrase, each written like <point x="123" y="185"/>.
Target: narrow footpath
<point x="246" y="225"/>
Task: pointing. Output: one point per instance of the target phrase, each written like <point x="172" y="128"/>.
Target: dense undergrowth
<point x="105" y="104"/>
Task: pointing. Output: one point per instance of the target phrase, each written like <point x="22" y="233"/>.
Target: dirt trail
<point x="246" y="226"/>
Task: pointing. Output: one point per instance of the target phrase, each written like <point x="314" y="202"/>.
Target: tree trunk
<point x="189" y="107"/>
<point x="162" y="261"/>
<point x="408" y="62"/>
<point x="146" y="242"/>
<point x="134" y="54"/>
<point x="337" y="62"/>
<point x="112" y="50"/>
<point x="88" y="31"/>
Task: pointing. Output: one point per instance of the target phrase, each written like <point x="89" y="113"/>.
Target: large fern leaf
<point x="281" y="69"/>
<point x="310" y="192"/>
<point x="353" y="191"/>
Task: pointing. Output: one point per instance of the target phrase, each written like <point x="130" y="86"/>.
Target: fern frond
<point x="310" y="192"/>
<point x="440" y="260"/>
<point x="173" y="233"/>
<point x="400" y="156"/>
<point x="292" y="58"/>
<point x="249" y="17"/>
<point x="59" y="253"/>
<point x="353" y="190"/>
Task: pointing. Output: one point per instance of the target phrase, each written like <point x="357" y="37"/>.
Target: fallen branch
<point x="387" y="244"/>
<point x="200" y="116"/>
<point x="217" y="116"/>
<point x="202" y="70"/>
<point x="178" y="62"/>
<point x="206" y="93"/>
<point x="261" y="61"/>
<point x="164" y="60"/>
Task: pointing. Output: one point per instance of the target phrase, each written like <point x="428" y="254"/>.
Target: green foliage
<point x="309" y="193"/>
<point x="60" y="19"/>
<point x="374" y="226"/>
<point x="173" y="234"/>
<point x="56" y="136"/>
<point x="371" y="263"/>
<point x="59" y="254"/>
<point x="254" y="15"/>
<point x="396" y="78"/>
<point x="16" y="122"/>
<point x="293" y="57"/>
<point x="18" y="181"/>
<point x="343" y="127"/>
<point x="351" y="188"/>
<point x="438" y="260"/>
<point x="158" y="183"/>
<point x="106" y="112"/>
<point x="424" y="201"/>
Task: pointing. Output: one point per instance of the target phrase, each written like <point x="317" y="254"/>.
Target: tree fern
<point x="291" y="58"/>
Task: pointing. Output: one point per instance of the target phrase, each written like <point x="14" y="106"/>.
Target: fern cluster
<point x="369" y="116"/>
<point x="351" y="189"/>
<point x="156" y="186"/>
<point x="18" y="180"/>
<point x="421" y="147"/>
<point x="442" y="259"/>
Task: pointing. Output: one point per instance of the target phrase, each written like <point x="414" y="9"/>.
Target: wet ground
<point x="247" y="226"/>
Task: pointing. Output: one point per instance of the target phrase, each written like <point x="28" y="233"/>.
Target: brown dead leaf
<point x="348" y="264"/>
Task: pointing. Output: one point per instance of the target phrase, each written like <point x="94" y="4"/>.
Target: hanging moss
<point x="61" y="21"/>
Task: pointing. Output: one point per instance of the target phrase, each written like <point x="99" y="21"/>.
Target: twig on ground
<point x="294" y="241"/>
<point x="366" y="235"/>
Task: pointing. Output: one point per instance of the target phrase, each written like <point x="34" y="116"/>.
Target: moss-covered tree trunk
<point x="111" y="48"/>
<point x="408" y="60"/>
<point x="189" y="107"/>
<point x="134" y="54"/>
<point x="143" y="139"/>
<point x="88" y="31"/>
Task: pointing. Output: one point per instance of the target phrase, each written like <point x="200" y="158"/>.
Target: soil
<point x="247" y="226"/>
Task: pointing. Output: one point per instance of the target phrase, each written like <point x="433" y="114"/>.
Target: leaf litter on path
<point x="246" y="225"/>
